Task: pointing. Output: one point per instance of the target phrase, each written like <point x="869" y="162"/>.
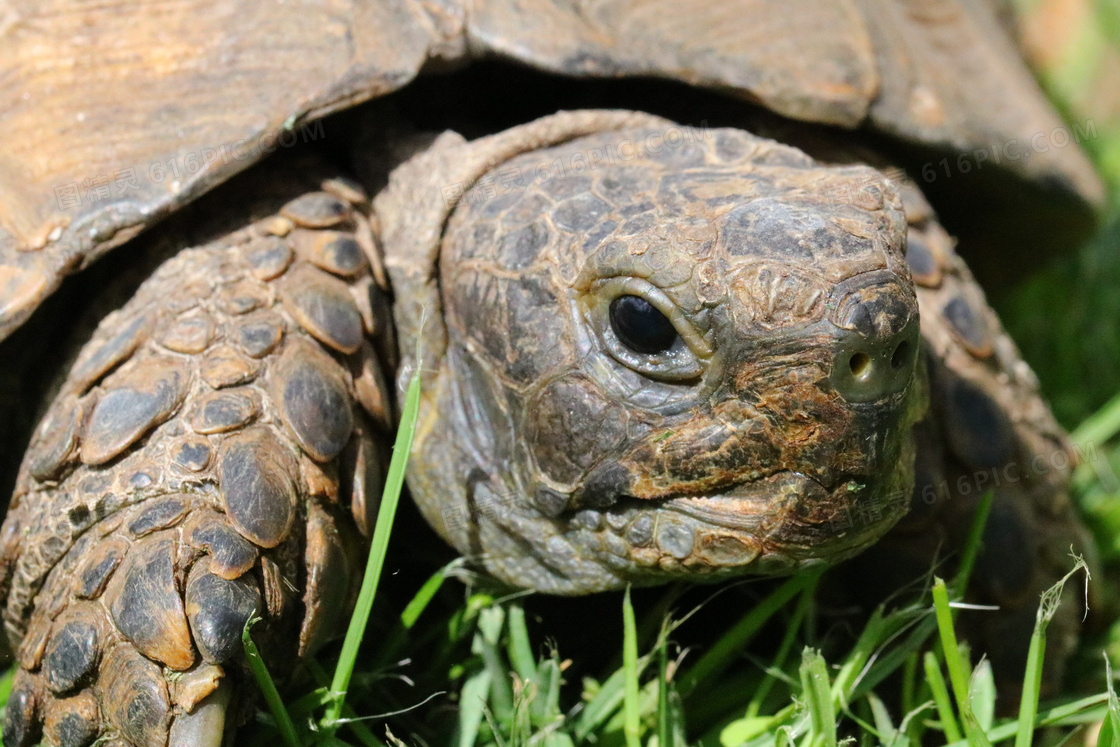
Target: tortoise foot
<point x="203" y="464"/>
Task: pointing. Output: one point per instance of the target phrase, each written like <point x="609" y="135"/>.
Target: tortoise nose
<point x="877" y="342"/>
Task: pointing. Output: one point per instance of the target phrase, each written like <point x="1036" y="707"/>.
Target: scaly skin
<point x="212" y="448"/>
<point x="188" y="476"/>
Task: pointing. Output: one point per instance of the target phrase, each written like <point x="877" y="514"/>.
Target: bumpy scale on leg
<point x="198" y="467"/>
<point x="988" y="430"/>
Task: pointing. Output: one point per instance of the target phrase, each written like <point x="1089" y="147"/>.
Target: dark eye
<point x="640" y="326"/>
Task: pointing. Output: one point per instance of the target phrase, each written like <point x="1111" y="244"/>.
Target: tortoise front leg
<point x="204" y="462"/>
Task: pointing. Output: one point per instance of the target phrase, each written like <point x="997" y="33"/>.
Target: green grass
<point x="508" y="691"/>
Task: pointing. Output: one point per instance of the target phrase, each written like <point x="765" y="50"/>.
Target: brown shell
<point x="122" y="118"/>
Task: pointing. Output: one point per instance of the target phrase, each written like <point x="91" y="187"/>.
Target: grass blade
<point x="1109" y="735"/>
<point x="394" y="481"/>
<point x="722" y="654"/>
<point x="472" y="702"/>
<point x="631" y="705"/>
<point x="955" y="663"/>
<point x="1100" y="426"/>
<point x="1032" y="678"/>
<point x="792" y="631"/>
<point x="888" y="734"/>
<point x="268" y="687"/>
<point x="941" y="697"/>
<point x="486" y="643"/>
<point x="923" y="626"/>
<point x="420" y="601"/>
<point x="664" y="738"/>
<point x="949" y="647"/>
<point x="519" y="649"/>
<point x="818" y="697"/>
<point x="982" y="695"/>
<point x="320" y="697"/>
<point x="972" y="544"/>
<point x="607" y="698"/>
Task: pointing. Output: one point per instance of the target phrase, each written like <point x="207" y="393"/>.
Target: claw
<point x="205" y="725"/>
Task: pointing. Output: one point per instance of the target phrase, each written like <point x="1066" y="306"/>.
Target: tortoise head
<point x="669" y="357"/>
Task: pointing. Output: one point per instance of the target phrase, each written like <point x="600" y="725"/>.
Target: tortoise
<point x="649" y="350"/>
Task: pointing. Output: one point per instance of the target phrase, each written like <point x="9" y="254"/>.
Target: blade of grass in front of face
<point x="982" y="695"/>
<point x="972" y="544"/>
<point x="390" y="497"/>
<point x="862" y="717"/>
<point x="721" y="655"/>
<point x="518" y="648"/>
<point x="268" y="687"/>
<point x="817" y="692"/>
<point x="520" y="724"/>
<point x="411" y="614"/>
<point x="909" y="681"/>
<point x="923" y="626"/>
<point x="493" y="727"/>
<point x="547" y="714"/>
<point x="941" y="697"/>
<point x="1100" y="426"/>
<point x="1032" y="678"/>
<point x="678" y="736"/>
<point x="1109" y="735"/>
<point x="882" y="717"/>
<point x="954" y="662"/>
<point x="631" y="706"/>
<point x="647" y="709"/>
<point x="793" y="629"/>
<point x="606" y="700"/>
<point x="608" y="696"/>
<point x="663" y="732"/>
<point x="881" y="629"/>
<point x="472" y="701"/>
<point x="487" y="643"/>
<point x="949" y="648"/>
<point x="889" y="735"/>
<point x="751" y="725"/>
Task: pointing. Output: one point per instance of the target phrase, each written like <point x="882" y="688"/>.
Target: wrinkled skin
<point x="591" y="464"/>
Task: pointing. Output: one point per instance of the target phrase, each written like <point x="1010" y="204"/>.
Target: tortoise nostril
<point x="874" y="347"/>
<point x="860" y="364"/>
<point x="900" y="355"/>
<point x="870" y="369"/>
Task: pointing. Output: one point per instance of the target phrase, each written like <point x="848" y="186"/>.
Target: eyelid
<point x="632" y="286"/>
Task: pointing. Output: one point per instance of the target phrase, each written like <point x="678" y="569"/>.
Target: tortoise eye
<point x="640" y="326"/>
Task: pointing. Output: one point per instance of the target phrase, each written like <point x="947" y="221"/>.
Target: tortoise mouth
<point x="749" y="505"/>
<point x="773" y="524"/>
